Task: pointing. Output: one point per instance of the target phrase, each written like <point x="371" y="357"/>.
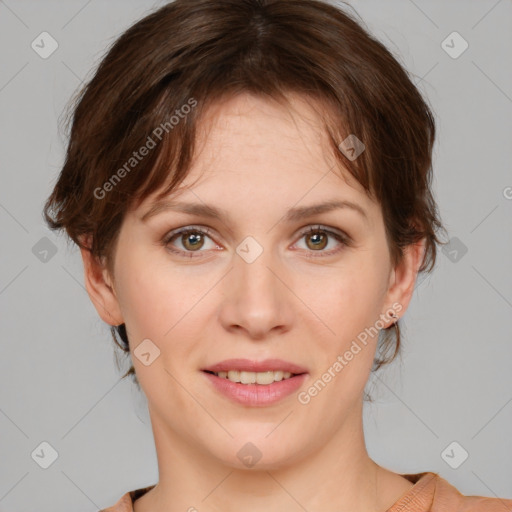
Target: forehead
<point x="259" y="123"/>
<point x="255" y="153"/>
<point x="256" y="137"/>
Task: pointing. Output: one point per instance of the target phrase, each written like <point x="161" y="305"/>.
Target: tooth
<point x="247" y="377"/>
<point x="279" y="375"/>
<point x="265" y="377"/>
<point x="234" y="375"/>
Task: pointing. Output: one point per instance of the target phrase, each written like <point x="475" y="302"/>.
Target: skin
<point x="256" y="161"/>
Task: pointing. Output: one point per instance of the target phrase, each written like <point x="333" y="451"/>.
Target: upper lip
<point x="248" y="365"/>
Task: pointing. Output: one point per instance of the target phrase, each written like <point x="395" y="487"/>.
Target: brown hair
<point x="188" y="54"/>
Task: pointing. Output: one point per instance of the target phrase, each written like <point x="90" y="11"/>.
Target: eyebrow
<point x="210" y="211"/>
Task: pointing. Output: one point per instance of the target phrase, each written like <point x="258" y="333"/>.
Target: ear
<point x="99" y="286"/>
<point x="403" y="277"/>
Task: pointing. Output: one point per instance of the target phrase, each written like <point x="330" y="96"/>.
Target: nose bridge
<point x="257" y="283"/>
<point x="256" y="297"/>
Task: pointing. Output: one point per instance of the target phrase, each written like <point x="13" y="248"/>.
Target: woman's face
<point x="258" y="286"/>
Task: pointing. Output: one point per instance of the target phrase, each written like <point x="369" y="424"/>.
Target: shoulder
<point x="433" y="493"/>
<point x="448" y="498"/>
<point x="123" y="504"/>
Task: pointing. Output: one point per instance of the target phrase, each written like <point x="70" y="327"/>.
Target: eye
<point x="318" y="237"/>
<point x="192" y="240"/>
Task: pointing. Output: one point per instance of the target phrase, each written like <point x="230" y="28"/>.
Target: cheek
<point x="159" y="301"/>
<point x="156" y="305"/>
<point x="345" y="352"/>
<point x="348" y="305"/>
<point x="149" y="299"/>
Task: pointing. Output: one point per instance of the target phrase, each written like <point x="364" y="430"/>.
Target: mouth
<point x="254" y="389"/>
<point x="249" y="366"/>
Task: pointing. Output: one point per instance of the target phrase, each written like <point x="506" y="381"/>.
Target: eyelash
<point x="344" y="239"/>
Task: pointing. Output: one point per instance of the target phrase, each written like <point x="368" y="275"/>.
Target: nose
<point x="257" y="300"/>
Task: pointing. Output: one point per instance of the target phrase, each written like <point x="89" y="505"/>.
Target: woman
<point x="249" y="185"/>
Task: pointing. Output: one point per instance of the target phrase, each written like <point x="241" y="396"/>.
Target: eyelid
<point x="204" y="230"/>
<point x="321" y="227"/>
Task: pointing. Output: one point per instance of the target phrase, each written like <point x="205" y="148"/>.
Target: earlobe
<point x="100" y="289"/>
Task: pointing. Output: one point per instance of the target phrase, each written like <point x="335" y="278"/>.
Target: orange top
<point x="430" y="493"/>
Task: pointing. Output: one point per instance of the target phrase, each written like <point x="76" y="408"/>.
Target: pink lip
<point x="255" y="395"/>
<point x="255" y="366"/>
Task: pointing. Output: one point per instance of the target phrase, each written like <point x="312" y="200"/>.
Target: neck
<point x="333" y="475"/>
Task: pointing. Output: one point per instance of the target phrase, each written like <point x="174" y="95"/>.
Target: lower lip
<point x="256" y="395"/>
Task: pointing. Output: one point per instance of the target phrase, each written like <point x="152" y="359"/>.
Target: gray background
<point x="59" y="382"/>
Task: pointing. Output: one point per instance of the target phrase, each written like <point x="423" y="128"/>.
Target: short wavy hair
<point x="211" y="50"/>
